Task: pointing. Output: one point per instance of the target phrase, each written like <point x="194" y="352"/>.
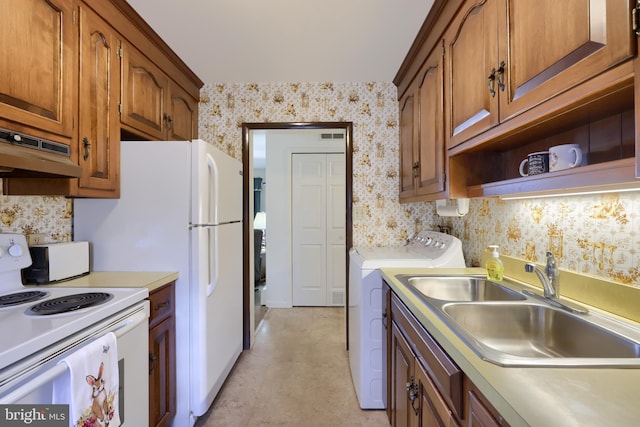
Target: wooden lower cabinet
<point x="426" y="388"/>
<point x="480" y="413"/>
<point x="402" y="400"/>
<point x="162" y="356"/>
<point x="434" y="411"/>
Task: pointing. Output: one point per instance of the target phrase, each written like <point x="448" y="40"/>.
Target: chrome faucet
<point x="549" y="277"/>
<point x="551" y="286"/>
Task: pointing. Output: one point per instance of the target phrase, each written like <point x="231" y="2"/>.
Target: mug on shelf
<point x="536" y="163"/>
<point x="564" y="157"/>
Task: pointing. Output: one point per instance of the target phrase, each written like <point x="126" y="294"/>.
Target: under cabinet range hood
<point x="23" y="156"/>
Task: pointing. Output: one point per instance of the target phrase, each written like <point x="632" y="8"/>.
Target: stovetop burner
<point x="70" y="303"/>
<point x="10" y="300"/>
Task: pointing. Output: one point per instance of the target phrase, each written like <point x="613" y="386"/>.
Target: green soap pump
<point x="494" y="266"/>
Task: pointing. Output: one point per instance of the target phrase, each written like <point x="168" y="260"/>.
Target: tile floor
<point x="297" y="374"/>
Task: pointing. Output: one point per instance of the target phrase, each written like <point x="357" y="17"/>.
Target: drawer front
<point x="445" y="374"/>
<point x="162" y="302"/>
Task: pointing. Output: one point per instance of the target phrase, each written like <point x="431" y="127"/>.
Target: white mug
<point x="564" y="157"/>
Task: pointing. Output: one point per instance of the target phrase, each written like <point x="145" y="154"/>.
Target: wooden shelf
<point x="618" y="174"/>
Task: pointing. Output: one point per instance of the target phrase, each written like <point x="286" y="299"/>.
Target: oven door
<point x="31" y="381"/>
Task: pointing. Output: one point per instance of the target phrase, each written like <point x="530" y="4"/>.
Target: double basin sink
<point x="509" y="326"/>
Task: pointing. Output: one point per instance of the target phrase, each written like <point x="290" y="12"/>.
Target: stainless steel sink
<point x="505" y="325"/>
<point x="533" y="331"/>
<point x="457" y="288"/>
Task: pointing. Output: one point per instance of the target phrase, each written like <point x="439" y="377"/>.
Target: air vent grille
<point x="337" y="298"/>
<point x="15" y="138"/>
<point x="331" y="136"/>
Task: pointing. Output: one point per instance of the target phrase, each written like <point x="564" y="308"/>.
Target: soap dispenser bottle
<point x="494" y="266"/>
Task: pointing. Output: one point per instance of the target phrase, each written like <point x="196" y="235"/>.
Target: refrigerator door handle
<point x="212" y="265"/>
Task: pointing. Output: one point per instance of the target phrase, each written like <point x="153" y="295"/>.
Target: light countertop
<point x="533" y="396"/>
<point x="127" y="279"/>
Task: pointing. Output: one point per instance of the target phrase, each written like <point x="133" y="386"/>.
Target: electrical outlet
<point x="35" y="239"/>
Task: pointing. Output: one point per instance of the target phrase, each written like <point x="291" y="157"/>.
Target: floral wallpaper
<point x="48" y="215"/>
<point x="373" y="109"/>
<point x="596" y="235"/>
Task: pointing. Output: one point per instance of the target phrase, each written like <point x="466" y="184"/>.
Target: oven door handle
<point x="43" y="378"/>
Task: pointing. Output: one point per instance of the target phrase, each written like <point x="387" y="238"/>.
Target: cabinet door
<point x="408" y="142"/>
<point x="162" y="399"/>
<point x="479" y="415"/>
<point x="37" y="65"/>
<point x="402" y="377"/>
<point x="99" y="130"/>
<point x="386" y="345"/>
<point x="434" y="411"/>
<point x="431" y="147"/>
<point x="182" y="115"/>
<point x="144" y="93"/>
<point x="578" y="40"/>
<point x="471" y="44"/>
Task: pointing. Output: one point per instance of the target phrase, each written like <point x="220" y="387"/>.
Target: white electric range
<point x="40" y="325"/>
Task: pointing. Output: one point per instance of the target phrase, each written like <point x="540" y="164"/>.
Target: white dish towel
<point x="91" y="384"/>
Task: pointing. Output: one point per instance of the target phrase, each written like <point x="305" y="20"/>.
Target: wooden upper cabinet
<point x="144" y="93"/>
<point x="182" y="115"/>
<point x="431" y="147"/>
<point x="408" y="142"/>
<point x="549" y="46"/>
<point x="153" y="105"/>
<point x="507" y="56"/>
<point x="422" y="148"/>
<point x="37" y="66"/>
<point x="471" y="49"/>
<point x="99" y="129"/>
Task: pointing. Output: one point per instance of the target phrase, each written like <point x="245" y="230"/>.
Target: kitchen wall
<point x="373" y="109"/>
<point x="596" y="235"/>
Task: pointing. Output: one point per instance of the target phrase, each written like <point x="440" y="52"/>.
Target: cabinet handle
<point x="492" y="82"/>
<point x="162" y="305"/>
<point x="413" y="390"/>
<point x="168" y="121"/>
<point x="635" y="21"/>
<point x="500" y="76"/>
<point x="416" y="167"/>
<point x="152" y="362"/>
<point x="87" y="147"/>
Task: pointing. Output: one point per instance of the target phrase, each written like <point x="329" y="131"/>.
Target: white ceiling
<point x="262" y="41"/>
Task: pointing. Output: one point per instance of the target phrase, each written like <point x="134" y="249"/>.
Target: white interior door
<point x="318" y="235"/>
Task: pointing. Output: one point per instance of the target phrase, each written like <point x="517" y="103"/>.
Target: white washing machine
<point x="367" y="356"/>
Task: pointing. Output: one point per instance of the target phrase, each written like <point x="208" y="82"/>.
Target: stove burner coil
<point x="70" y="303"/>
<point x="21" y="297"/>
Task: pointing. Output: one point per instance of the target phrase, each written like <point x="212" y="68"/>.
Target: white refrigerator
<point x="180" y="210"/>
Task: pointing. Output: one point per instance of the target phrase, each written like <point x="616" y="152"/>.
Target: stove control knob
<point x="15" y="250"/>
